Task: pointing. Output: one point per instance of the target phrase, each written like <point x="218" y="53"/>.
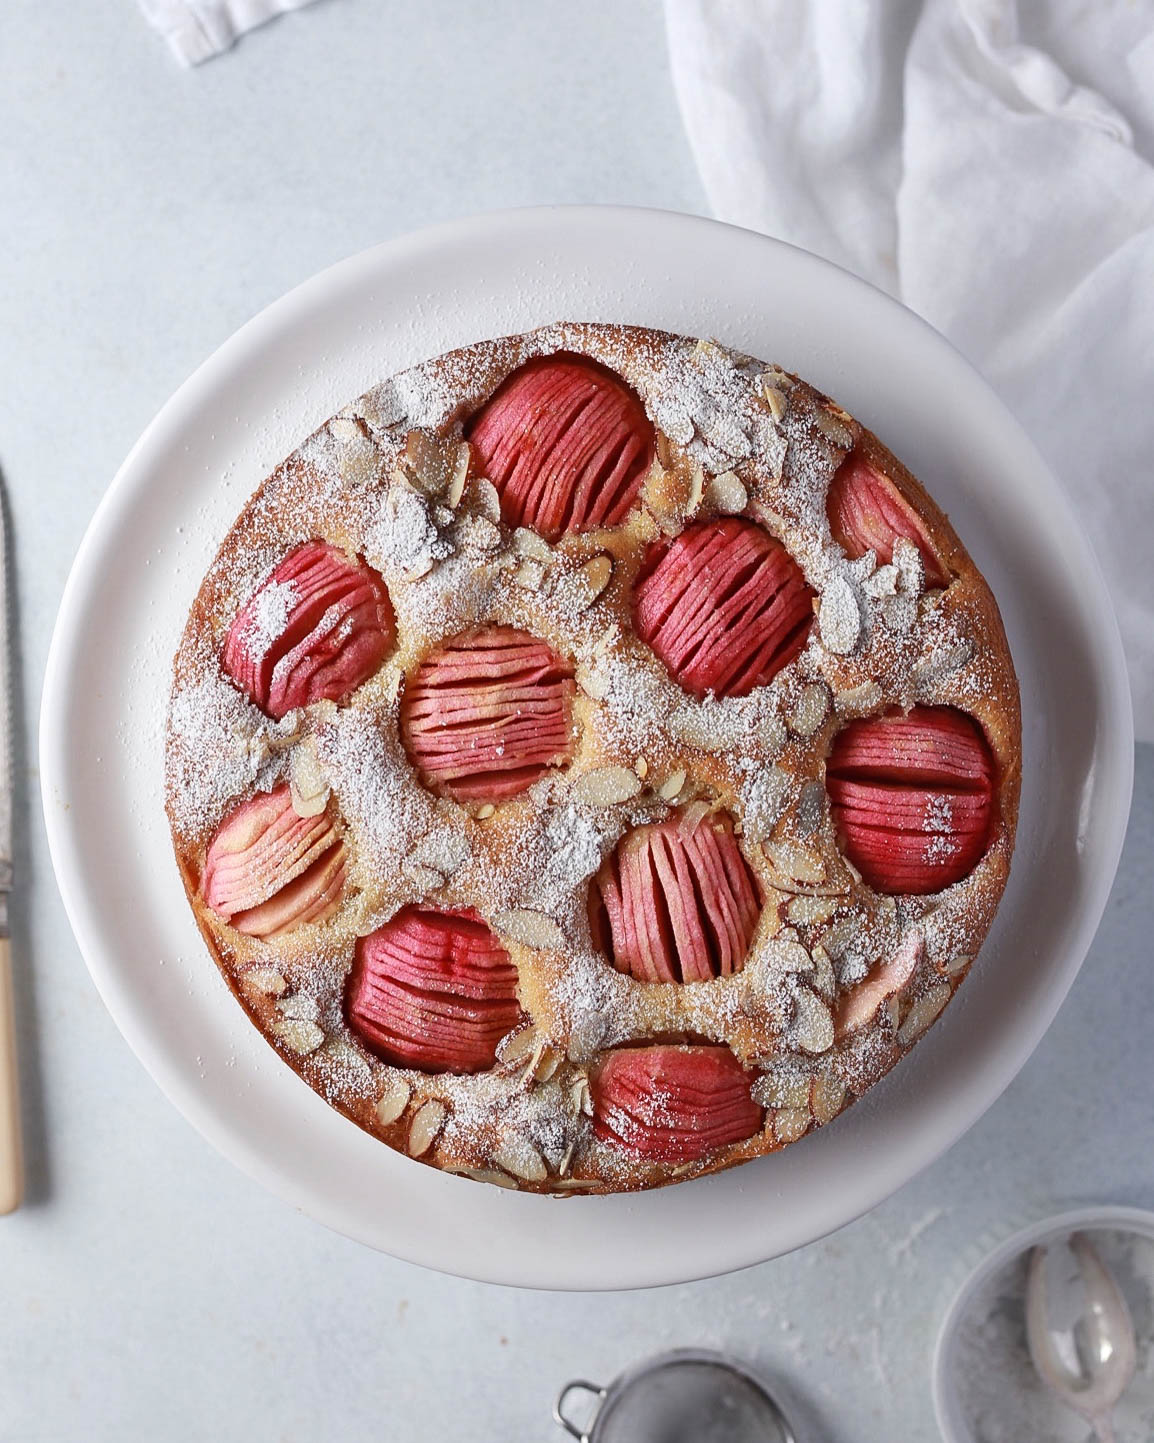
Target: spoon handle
<point x="1104" y="1427"/>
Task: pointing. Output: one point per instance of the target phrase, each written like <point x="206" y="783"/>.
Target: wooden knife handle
<point x="11" y="1160"/>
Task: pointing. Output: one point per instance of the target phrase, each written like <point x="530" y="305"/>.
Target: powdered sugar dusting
<point x="450" y="564"/>
<point x="219" y="750"/>
<point x="269" y="617"/>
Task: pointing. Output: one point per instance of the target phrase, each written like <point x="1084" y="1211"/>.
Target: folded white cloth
<point x="993" y="166"/>
<point x="196" y="30"/>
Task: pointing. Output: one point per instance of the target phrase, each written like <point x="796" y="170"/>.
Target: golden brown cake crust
<point x="367" y="482"/>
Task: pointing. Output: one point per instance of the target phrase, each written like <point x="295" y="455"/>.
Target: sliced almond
<point x="857" y="700"/>
<point x="529" y="575"/>
<point x="770" y="387"/>
<point x="942" y="662"/>
<point x="575" y="1184"/>
<point x="434" y="463"/>
<point x="810" y="709"/>
<point x="381" y="407"/>
<point x="666" y="489"/>
<point x="899" y="613"/>
<point x="259" y="750"/>
<point x="581" y="1097"/>
<point x="528" y="543"/>
<point x="595" y="576"/>
<point x="484" y="1174"/>
<point x="793" y="956"/>
<point x="806" y="911"/>
<point x="393" y="1101"/>
<point x="776" y="402"/>
<point x="299" y="1006"/>
<point x="727" y="493"/>
<point x="547" y="1064"/>
<point x="813" y="1027"/>
<point x="810" y="808"/>
<point x="460" y="474"/>
<point x="265" y="980"/>
<point x="883" y="582"/>
<point x="827" y="1096"/>
<point x="515" y="1047"/>
<point x="593" y="682"/>
<point x="922" y="1013"/>
<point x="823" y="973"/>
<point x="692" y="817"/>
<point x="606" y="786"/>
<point x="297" y="1035"/>
<point x="424" y="879"/>
<point x="833" y="428"/>
<point x="480" y="535"/>
<point x="840" y="936"/>
<point x="485" y="500"/>
<point x="839" y="617"/>
<point x="791" y="1123"/>
<point x="529" y="1075"/>
<point x="911" y="566"/>
<point x="521" y="1159"/>
<point x="444" y="850"/>
<point x="958" y="964"/>
<point x="641" y="767"/>
<point x="345" y="430"/>
<point x="308" y="785"/>
<point x="798" y="863"/>
<point x="696" y="488"/>
<point x="765" y="794"/>
<point x="566" y="1159"/>
<point x="781" y="1090"/>
<point x="770" y="735"/>
<point x="427" y="1122"/>
<point x="485" y="811"/>
<point x="391" y="683"/>
<point x="670" y="789"/>
<point x="532" y="928"/>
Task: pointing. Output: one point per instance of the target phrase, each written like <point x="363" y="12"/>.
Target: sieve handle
<point x="578" y="1385"/>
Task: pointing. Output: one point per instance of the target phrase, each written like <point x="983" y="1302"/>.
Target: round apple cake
<point x="593" y="759"/>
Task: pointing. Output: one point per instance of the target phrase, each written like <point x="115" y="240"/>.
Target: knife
<point x="11" y="1162"/>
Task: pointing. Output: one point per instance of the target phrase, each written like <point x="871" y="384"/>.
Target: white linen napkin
<point x="196" y="30"/>
<point x="991" y="165"/>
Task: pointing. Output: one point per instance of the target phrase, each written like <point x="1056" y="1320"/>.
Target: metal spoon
<point x="1082" y="1339"/>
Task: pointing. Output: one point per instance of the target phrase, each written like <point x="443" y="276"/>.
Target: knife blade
<point x="11" y="1162"/>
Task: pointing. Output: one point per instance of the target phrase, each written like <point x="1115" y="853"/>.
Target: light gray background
<point x="149" y="1291"/>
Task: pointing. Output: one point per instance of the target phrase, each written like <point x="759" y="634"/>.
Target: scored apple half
<point x="567" y="445"/>
<point x="912" y="798"/>
<point x="268" y="870"/>
<point x="724" y="606"/>
<point x="487" y="714"/>
<point x="676" y="901"/>
<point x="314" y="630"/>
<point x="673" y="1102"/>
<point x="433" y="990"/>
<point x="867" y="512"/>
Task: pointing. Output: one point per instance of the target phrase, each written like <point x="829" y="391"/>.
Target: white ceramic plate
<point x="269" y="387"/>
